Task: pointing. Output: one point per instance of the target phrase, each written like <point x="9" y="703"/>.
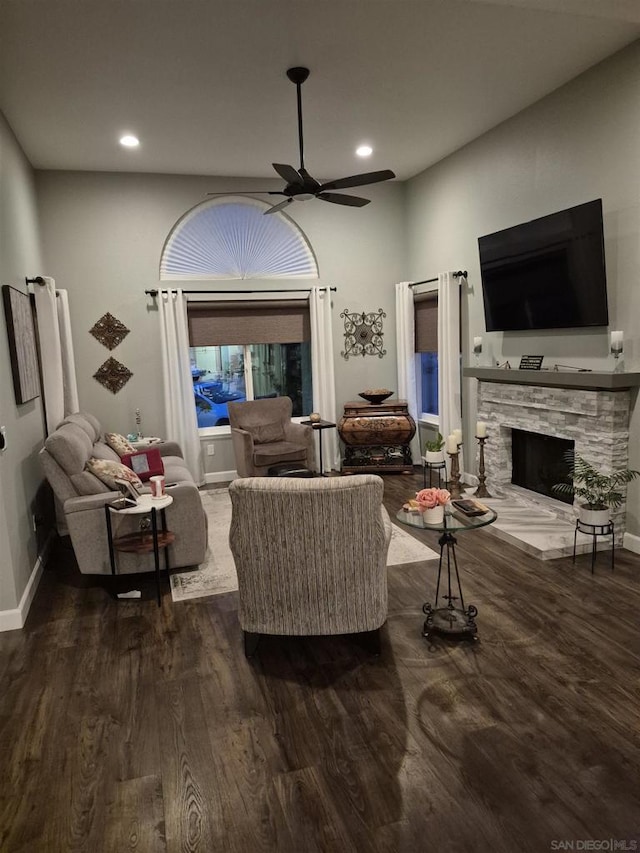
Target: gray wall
<point x="102" y="239"/>
<point x="580" y="143"/>
<point x="19" y="468"/>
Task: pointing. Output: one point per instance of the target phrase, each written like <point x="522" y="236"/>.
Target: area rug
<point x="217" y="574"/>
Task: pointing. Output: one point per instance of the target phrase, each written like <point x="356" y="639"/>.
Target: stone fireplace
<point x="595" y="419"/>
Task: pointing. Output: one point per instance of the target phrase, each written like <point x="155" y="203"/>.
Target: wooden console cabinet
<point x="377" y="438"/>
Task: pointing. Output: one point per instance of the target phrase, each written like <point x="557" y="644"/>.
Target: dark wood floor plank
<point x="191" y="795"/>
<point x="135" y="820"/>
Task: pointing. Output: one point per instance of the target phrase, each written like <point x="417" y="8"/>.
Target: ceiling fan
<point x="300" y="185"/>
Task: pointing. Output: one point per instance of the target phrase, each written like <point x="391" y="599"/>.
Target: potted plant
<point x="433" y="450"/>
<point x="597" y="493"/>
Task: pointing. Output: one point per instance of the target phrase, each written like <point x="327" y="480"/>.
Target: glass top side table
<point x="451" y="620"/>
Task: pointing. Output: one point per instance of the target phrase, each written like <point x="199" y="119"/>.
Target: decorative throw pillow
<point x="267" y="433"/>
<point x="118" y="443"/>
<point x="109" y="471"/>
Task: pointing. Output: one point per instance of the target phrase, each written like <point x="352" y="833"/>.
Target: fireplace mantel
<point x="589" y="381"/>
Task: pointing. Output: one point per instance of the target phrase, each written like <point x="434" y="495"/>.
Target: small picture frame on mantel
<point x="531" y="362"/>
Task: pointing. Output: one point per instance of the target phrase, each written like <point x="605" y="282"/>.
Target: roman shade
<point x="248" y="322"/>
<point x="426" y="321"/>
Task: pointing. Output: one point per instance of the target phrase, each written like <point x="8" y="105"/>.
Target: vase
<point x="434" y="515"/>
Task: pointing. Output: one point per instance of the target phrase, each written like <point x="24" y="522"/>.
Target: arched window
<point x="230" y="238"/>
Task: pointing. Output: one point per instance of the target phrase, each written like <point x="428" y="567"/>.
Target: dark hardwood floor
<point x="128" y="727"/>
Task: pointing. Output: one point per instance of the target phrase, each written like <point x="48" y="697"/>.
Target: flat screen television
<point x="546" y="274"/>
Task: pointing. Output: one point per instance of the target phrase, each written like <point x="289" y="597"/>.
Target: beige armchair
<point x="311" y="556"/>
<point x="263" y="435"/>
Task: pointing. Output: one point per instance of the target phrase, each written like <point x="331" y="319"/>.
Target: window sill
<point x="225" y="431"/>
<point x="429" y="420"/>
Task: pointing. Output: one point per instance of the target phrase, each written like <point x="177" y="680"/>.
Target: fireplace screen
<point x="538" y="462"/>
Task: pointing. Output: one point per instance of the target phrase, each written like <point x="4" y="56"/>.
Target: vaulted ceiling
<point x="202" y="82"/>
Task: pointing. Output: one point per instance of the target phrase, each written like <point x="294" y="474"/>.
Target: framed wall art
<point x="23" y="352"/>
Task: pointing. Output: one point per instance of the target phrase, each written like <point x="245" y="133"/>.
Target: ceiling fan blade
<point x="358" y="180"/>
<point x="287" y="173"/>
<point x="277" y="207"/>
<point x="348" y="200"/>
<point x="248" y="192"/>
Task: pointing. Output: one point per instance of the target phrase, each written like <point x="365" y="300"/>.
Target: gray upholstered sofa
<point x="82" y="496"/>
<point x="311" y="555"/>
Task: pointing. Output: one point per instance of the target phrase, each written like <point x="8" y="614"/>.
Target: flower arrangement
<point x="430" y="498"/>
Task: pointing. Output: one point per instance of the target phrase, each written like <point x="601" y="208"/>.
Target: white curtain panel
<point x="449" y="384"/>
<point x="181" y="419"/>
<point x="69" y="382"/>
<point x="59" y="387"/>
<point x="324" y="386"/>
<point x="406" y="354"/>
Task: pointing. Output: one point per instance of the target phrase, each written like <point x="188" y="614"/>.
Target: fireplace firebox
<point x="538" y="462"/>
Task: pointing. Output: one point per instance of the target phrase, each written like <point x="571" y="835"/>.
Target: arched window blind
<point x="230" y="238"/>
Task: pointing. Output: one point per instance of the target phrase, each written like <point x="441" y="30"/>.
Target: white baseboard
<point x="220" y="476"/>
<point x="631" y="542"/>
<point x="11" y="620"/>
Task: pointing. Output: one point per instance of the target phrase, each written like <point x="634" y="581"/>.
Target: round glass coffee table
<point x="455" y="619"/>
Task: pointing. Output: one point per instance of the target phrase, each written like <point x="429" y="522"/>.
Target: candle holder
<point x="481" y="491"/>
<point x="454" y="478"/>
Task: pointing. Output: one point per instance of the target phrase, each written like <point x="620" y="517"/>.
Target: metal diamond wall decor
<point x="363" y="333"/>
<point x="109" y="331"/>
<point x="113" y="375"/>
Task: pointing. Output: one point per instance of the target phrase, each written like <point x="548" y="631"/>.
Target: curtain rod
<point x="297" y="290"/>
<point x="457" y="274"/>
<point x="37" y="280"/>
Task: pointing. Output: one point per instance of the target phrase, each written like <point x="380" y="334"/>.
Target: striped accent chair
<point x="311" y="556"/>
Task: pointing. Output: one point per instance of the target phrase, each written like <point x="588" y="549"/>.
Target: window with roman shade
<point x="247" y="350"/>
<point x="255" y="321"/>
<point x="426" y="347"/>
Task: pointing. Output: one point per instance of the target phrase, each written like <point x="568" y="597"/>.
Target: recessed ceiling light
<point x="129" y="141"/>
<point x="364" y="151"/>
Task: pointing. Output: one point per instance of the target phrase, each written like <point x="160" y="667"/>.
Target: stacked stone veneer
<point x="597" y="421"/>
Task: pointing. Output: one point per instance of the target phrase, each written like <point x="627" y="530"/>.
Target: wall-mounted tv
<point x="546" y="274"/>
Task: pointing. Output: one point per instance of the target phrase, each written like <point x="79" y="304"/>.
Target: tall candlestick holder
<point x="454" y="479"/>
<point x="481" y="491"/>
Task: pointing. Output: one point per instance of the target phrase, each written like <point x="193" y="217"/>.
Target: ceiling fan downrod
<point x="298" y="75"/>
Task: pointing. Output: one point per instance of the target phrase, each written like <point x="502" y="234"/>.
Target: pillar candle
<point x="616" y="341"/>
<point x="458" y="435"/>
<point x="452" y="444"/>
<point x="477" y="344"/>
<point x="481" y="429"/>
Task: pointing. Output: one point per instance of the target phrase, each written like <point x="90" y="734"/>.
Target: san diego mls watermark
<point x="599" y="844"/>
